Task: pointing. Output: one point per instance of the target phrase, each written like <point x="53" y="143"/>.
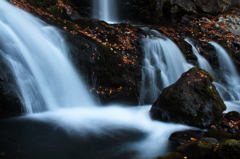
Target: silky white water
<point x="102" y="121"/>
<point x="161" y="54"/>
<point x="39" y="59"/>
<point x="228" y="74"/>
<point x="106" y="10"/>
<point x="163" y="64"/>
<point x="226" y="78"/>
<point x="202" y="62"/>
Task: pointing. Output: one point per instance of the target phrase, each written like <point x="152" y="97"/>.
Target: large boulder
<point x="192" y="100"/>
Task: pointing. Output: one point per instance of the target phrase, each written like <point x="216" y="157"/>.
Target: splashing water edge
<point x="103" y="121"/>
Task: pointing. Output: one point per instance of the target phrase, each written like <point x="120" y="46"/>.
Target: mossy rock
<point x="233" y="115"/>
<point x="172" y="156"/>
<point x="230" y="149"/>
<point x="218" y="134"/>
<point x="191" y="100"/>
<point x="197" y="149"/>
<point x="236" y="136"/>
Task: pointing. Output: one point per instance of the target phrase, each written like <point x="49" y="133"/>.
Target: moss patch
<point x="172" y="156"/>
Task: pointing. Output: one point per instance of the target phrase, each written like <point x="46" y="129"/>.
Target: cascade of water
<point x="105" y="10"/>
<point x="163" y="64"/>
<point x="38" y="57"/>
<point x="202" y="62"/>
<point x="227" y="74"/>
<point x="226" y="79"/>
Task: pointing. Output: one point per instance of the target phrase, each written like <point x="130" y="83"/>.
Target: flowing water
<point x="217" y="74"/>
<point x="39" y="60"/>
<point x="73" y="126"/>
<point x="202" y="62"/>
<point x="105" y="10"/>
<point x="163" y="64"/>
<point x="227" y="80"/>
<point x="62" y="120"/>
<point x="228" y="74"/>
<point x="226" y="77"/>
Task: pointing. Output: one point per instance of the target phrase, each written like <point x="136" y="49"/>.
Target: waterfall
<point x="226" y="78"/>
<point x="202" y="62"/>
<point x="163" y="64"/>
<point x="39" y="59"/>
<point x="227" y="74"/>
<point x="105" y="10"/>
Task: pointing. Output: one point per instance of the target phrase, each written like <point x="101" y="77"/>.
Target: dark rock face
<point x="192" y="100"/>
<point x="9" y="100"/>
<point x="159" y="11"/>
<point x="106" y="75"/>
<point x="145" y="11"/>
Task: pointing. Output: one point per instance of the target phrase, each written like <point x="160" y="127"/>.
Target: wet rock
<point x="210" y="148"/>
<point x="186" y="136"/>
<point x="211" y="140"/>
<point x="233" y="115"/>
<point x="229" y="122"/>
<point x="9" y="100"/>
<point x="218" y="134"/>
<point x="197" y="149"/>
<point x="159" y="11"/>
<point x="229" y="149"/>
<point x="192" y="100"/>
<point x="82" y="7"/>
<point x="107" y="77"/>
<point x="172" y="156"/>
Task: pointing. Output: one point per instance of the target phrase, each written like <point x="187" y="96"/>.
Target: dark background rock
<point x="105" y="74"/>
<point x="192" y="100"/>
<point x="161" y="12"/>
<point x="10" y="103"/>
